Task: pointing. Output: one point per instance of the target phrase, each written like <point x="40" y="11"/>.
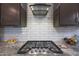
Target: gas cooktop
<point x="39" y="47"/>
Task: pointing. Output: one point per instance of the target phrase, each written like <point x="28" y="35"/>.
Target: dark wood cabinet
<point x="77" y="14"/>
<point x="12" y="14"/>
<point x="65" y="15"/>
<point x="56" y="15"/>
<point x="23" y="15"/>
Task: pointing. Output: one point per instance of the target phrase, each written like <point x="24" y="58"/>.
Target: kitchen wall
<point x="39" y="28"/>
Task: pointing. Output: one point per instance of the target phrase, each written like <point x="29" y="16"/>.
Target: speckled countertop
<point x="10" y="49"/>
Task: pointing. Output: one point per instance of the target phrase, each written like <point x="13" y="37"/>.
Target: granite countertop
<point x="10" y="49"/>
<point x="71" y="50"/>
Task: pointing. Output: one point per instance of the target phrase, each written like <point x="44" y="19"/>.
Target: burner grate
<point x="39" y="44"/>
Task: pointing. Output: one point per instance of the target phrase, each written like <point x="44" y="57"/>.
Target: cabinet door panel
<point x="56" y="16"/>
<point x="67" y="14"/>
<point x="78" y="13"/>
<point x="10" y="14"/>
<point x="23" y="12"/>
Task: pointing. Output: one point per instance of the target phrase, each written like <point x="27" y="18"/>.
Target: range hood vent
<point x="40" y="9"/>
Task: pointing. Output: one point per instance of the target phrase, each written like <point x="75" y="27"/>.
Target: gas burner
<point x="39" y="47"/>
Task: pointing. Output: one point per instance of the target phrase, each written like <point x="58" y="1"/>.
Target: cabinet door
<point x="56" y="15"/>
<point x="23" y="12"/>
<point x="0" y="14"/>
<point x="10" y="14"/>
<point x="67" y="14"/>
<point x="77" y="13"/>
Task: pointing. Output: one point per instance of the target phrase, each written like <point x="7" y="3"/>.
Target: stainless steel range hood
<point x="40" y="9"/>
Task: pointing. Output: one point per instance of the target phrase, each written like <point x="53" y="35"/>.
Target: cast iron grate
<point x="39" y="44"/>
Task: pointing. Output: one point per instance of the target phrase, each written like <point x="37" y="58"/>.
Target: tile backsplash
<point x="39" y="28"/>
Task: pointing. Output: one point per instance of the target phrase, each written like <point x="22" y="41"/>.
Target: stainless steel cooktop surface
<point x="39" y="47"/>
